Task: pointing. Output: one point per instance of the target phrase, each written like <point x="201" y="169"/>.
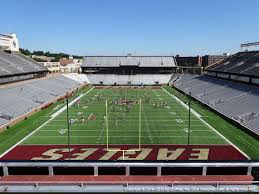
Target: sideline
<point x="227" y="140"/>
<point x="52" y="117"/>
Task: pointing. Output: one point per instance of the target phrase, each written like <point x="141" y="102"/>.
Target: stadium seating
<point x="236" y="101"/>
<point x="19" y="99"/>
<point x="128" y="70"/>
<point x="16" y="63"/>
<point x="145" y="79"/>
<point x="242" y="63"/>
<point x="82" y="78"/>
<point x="116" y="61"/>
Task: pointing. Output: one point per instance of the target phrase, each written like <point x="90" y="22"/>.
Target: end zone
<point x="147" y="152"/>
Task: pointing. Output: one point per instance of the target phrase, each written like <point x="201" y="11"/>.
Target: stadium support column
<point x="51" y="172"/>
<point x="189" y="121"/>
<point x="204" y="170"/>
<point x="68" y="131"/>
<point x="127" y="170"/>
<point x="96" y="169"/>
<point x="5" y="170"/>
<point x="249" y="170"/>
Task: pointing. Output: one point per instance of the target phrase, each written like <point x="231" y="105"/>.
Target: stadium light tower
<point x="249" y="44"/>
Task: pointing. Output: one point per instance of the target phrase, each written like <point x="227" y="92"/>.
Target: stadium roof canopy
<point x="117" y="61"/>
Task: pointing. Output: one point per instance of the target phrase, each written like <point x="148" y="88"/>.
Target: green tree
<point x="25" y="51"/>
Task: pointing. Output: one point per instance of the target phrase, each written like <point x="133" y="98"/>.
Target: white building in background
<point x="9" y="42"/>
<point x="53" y="67"/>
<point x="70" y="68"/>
<point x="56" y="67"/>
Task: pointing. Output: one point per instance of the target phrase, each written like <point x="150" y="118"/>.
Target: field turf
<point x="159" y="119"/>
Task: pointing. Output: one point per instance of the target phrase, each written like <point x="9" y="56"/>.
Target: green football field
<point x="121" y="115"/>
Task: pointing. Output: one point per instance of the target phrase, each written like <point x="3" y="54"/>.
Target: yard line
<point x="101" y="132"/>
<point x="147" y="125"/>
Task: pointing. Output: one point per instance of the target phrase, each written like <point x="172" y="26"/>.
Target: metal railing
<point x="158" y="165"/>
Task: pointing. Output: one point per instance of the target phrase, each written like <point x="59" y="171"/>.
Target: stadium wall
<point x="191" y="70"/>
<point x="82" y="177"/>
<point x="241" y="78"/>
<point x="134" y="168"/>
<point x="21" y="77"/>
<point x="42" y="107"/>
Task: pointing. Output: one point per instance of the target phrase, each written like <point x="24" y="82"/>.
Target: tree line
<point x="56" y="56"/>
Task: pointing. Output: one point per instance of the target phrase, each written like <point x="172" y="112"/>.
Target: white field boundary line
<point x="130" y="120"/>
<point x="75" y="115"/>
<point x="72" y="102"/>
<point x="100" y="105"/>
<point x="69" y="104"/>
<point x="127" y="136"/>
<point x="222" y="136"/>
<point x="133" y="124"/>
<point x="133" y="117"/>
<point x="85" y="130"/>
<point x="90" y="116"/>
<point x="52" y="117"/>
<point x="102" y="144"/>
<point x="33" y="110"/>
<point x="183" y="104"/>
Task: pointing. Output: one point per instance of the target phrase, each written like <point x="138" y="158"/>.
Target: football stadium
<point x="128" y="123"/>
<point x="125" y="116"/>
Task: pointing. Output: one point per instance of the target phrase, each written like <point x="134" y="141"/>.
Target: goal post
<point x="109" y="129"/>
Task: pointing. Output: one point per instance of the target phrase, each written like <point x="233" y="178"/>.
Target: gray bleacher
<point x="116" y="61"/>
<point x="246" y="63"/>
<point x="20" y="99"/>
<point x="236" y="101"/>
<point x="140" y="79"/>
<point x="16" y="63"/>
<point x="128" y="70"/>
